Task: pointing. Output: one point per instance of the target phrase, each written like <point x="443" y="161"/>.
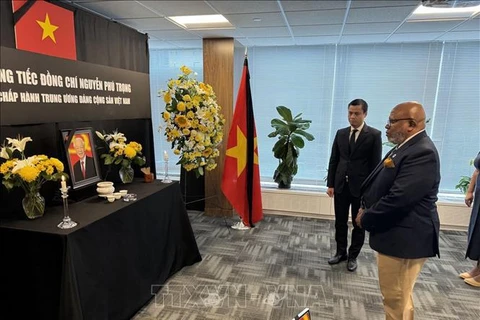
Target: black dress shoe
<point x="337" y="259"/>
<point x="352" y="264"/>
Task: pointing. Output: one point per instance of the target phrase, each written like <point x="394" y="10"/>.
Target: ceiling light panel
<point x="211" y="21"/>
<point x="438" y="14"/>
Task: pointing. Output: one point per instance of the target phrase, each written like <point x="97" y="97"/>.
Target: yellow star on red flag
<point x="48" y="28"/>
<point x="45" y="28"/>
<point x="240" y="151"/>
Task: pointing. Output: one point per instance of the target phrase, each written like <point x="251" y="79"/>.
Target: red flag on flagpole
<point x="45" y="28"/>
<point x="241" y="175"/>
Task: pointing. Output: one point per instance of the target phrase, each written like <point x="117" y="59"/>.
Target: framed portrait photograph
<point x="304" y="315"/>
<point x="82" y="158"/>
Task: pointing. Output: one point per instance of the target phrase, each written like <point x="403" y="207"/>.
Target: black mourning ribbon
<point x="17" y="15"/>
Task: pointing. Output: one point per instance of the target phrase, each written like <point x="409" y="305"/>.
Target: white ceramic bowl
<point x="117" y="195"/>
<point x="123" y="192"/>
<point x="105" y="190"/>
<point x="110" y="198"/>
<point x="104" y="184"/>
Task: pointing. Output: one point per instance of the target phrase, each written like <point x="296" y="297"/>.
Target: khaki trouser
<point x="397" y="278"/>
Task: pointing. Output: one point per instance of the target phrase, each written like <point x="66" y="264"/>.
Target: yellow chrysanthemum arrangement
<point x="119" y="151"/>
<point x="194" y="124"/>
<point x="29" y="173"/>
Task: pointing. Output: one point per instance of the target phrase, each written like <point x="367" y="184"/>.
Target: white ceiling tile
<point x="312" y="22"/>
<point x="173" y="35"/>
<point x="385" y="3"/>
<point x="365" y="38"/>
<point x="150" y="24"/>
<point x="364" y="15"/>
<point x="419" y="37"/>
<point x="246" y="20"/>
<point x="316" y="40"/>
<point x="179" y="8"/>
<point x="460" y="35"/>
<point x="368" y="28"/>
<point x="315" y="17"/>
<point x="260" y="32"/>
<point x="319" y="30"/>
<point x="236" y="7"/>
<point x="313" y="5"/>
<point x="120" y="9"/>
<point x="430" y="26"/>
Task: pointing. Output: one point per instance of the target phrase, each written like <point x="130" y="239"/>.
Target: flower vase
<point x="126" y="174"/>
<point x="33" y="204"/>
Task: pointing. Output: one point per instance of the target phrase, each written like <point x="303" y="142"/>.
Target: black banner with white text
<point x="36" y="88"/>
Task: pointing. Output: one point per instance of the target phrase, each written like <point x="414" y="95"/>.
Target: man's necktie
<point x="351" y="145"/>
<point x="82" y="165"/>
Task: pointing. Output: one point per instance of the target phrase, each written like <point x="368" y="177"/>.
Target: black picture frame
<point x="304" y="315"/>
<point x="89" y="173"/>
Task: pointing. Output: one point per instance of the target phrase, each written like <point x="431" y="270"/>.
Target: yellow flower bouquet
<point x="122" y="153"/>
<point x="28" y="173"/>
<point x="194" y="124"/>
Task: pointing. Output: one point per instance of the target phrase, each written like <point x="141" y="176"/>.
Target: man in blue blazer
<point x="356" y="151"/>
<point x="399" y="208"/>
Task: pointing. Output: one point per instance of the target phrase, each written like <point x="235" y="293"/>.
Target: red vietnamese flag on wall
<point x="45" y="28"/>
<point x="241" y="175"/>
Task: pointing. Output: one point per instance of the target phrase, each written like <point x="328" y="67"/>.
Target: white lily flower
<point x="23" y="163"/>
<point x="4" y="153"/>
<point x="116" y="144"/>
<point x="100" y="135"/>
<point x="18" y="144"/>
<point x="118" y="135"/>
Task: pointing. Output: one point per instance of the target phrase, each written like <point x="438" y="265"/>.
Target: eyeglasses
<point x="393" y="121"/>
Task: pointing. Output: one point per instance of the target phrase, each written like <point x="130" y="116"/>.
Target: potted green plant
<point x="290" y="131"/>
<point x="464" y="182"/>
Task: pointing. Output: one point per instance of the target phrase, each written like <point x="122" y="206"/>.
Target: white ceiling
<point x="284" y="23"/>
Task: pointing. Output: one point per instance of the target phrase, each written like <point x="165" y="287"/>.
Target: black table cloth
<point x="106" y="267"/>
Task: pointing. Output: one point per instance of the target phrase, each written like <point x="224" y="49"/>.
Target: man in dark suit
<point x="356" y="150"/>
<point x="399" y="208"/>
<point x="84" y="168"/>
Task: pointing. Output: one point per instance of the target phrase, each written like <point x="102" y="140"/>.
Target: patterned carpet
<point x="280" y="267"/>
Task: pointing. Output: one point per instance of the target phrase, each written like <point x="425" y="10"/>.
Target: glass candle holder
<point x="166" y="178"/>
<point x="66" y="223"/>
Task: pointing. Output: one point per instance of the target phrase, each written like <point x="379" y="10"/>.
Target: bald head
<point x="78" y="142"/>
<point x="406" y="119"/>
<point x="413" y="110"/>
<point x="79" y="146"/>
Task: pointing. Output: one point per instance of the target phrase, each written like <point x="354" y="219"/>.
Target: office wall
<point x="453" y="216"/>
